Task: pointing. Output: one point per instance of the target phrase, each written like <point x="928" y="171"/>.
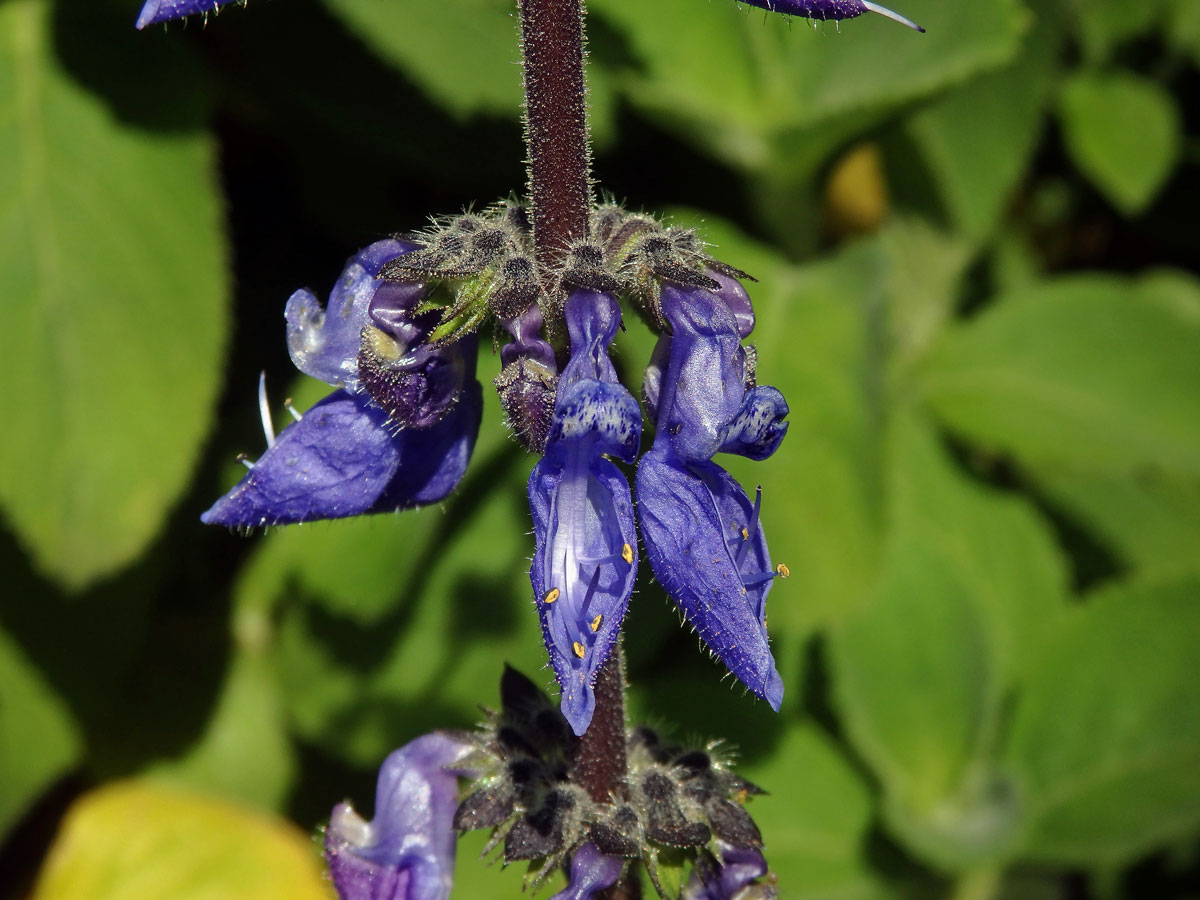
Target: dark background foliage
<point x="977" y="257"/>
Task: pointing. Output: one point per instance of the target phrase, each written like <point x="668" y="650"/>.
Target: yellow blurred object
<point x="856" y="195"/>
<point x="141" y="840"/>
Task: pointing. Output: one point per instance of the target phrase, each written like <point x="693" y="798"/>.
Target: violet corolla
<point x="825" y="10"/>
<point x="407" y="851"/>
<point x="585" y="565"/>
<point x="591" y="872"/>
<point x="396" y="433"/>
<point x="703" y="536"/>
<point x="155" y="11"/>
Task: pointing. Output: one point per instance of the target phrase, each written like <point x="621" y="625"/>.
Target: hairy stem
<point x="599" y="765"/>
<point x="556" y="130"/>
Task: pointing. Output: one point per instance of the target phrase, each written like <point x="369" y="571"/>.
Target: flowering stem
<point x="599" y="764"/>
<point x="556" y="125"/>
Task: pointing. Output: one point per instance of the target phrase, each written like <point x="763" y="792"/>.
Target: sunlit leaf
<point x="114" y="272"/>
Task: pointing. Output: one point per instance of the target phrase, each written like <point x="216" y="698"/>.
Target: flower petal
<point x="407" y="851"/>
<point x="830" y="9"/>
<point x="345" y="458"/>
<point x="591" y="872"/>
<point x="739" y="868"/>
<point x="705" y="379"/>
<point x="758" y="428"/>
<point x="324" y="343"/>
<point x="155" y="11"/>
<point x="707" y="549"/>
<point x="583" y="571"/>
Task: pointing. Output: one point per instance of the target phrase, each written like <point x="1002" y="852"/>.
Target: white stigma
<point x="894" y="16"/>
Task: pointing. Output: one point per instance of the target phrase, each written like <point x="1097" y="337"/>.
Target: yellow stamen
<point x="627" y="554"/>
<point x="745" y="535"/>
<point x="551" y="595"/>
<point x="596" y="622"/>
<point x="579" y="651"/>
<point x="783" y="571"/>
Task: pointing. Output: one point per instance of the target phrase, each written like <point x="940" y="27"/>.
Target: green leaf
<point x="1150" y="519"/>
<point x="979" y="138"/>
<point x="138" y="841"/>
<point x="39" y="740"/>
<point x="1106" y="734"/>
<point x="113" y="266"/>
<point x="245" y="752"/>
<point x="1124" y="133"/>
<point x="1090" y="373"/>
<point x="463" y="54"/>
<point x="1183" y="28"/>
<point x="970" y="580"/>
<point x="1105" y="24"/>
<point x="815" y="819"/>
<point x="733" y="79"/>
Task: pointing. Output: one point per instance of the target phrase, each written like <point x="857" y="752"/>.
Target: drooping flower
<point x="399" y="430"/>
<point x="585" y="563"/>
<point x="155" y="11"/>
<point x="702" y="534"/>
<point x="735" y="877"/>
<point x="591" y="872"/>
<point x="406" y="852"/>
<point x="835" y="10"/>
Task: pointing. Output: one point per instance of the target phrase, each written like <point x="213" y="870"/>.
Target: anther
<point x="287" y="404"/>
<point x="627" y="555"/>
<point x="783" y="570"/>
<point x="551" y="595"/>
<point x="596" y="622"/>
<point x="245" y="461"/>
<point x="579" y="649"/>
<point x="745" y="535"/>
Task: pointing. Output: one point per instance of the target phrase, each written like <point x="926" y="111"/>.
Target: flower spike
<point x="836" y="10"/>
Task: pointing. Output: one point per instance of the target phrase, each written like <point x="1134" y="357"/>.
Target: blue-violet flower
<point x="591" y="872"/>
<point x="830" y="9"/>
<point x="155" y="11"/>
<point x="585" y="563"/>
<point x="399" y="430"/>
<point x="407" y="851"/>
<point x="702" y="534"/>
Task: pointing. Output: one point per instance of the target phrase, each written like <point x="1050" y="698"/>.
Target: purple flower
<point x="830" y="9"/>
<point x="155" y="11"/>
<point x="585" y="563"/>
<point x="591" y="872"/>
<point x="739" y="869"/>
<point x="398" y="432"/>
<point x="407" y="851"/>
<point x="702" y="534"/>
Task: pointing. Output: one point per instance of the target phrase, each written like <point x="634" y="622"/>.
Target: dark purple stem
<point x="600" y="755"/>
<point x="556" y="125"/>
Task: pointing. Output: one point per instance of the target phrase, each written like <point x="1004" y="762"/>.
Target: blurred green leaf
<point x="1105" y="24"/>
<point x="1149" y="519"/>
<point x="137" y="841"/>
<point x="1090" y="373"/>
<point x="463" y="53"/>
<point x="114" y="273"/>
<point x="978" y="139"/>
<point x="733" y="79"/>
<point x="1124" y="133"/>
<point x="1107" y="732"/>
<point x="39" y="740"/>
<point x="1183" y="28"/>
<point x="245" y="751"/>
<point x="815" y="819"/>
<point x="970" y="581"/>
